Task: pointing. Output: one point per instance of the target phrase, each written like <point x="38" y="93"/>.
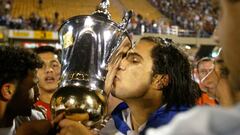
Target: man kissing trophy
<point x="88" y="42"/>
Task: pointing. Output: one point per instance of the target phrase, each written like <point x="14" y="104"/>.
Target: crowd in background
<point x="139" y="25"/>
<point x="195" y="17"/>
<point x="33" y="22"/>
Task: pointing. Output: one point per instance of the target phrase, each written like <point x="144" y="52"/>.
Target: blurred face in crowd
<point x="134" y="73"/>
<point x="23" y="99"/>
<point x="204" y="67"/>
<point x="214" y="81"/>
<point x="49" y="74"/>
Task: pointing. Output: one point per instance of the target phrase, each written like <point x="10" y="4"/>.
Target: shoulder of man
<point x="36" y="115"/>
<point x="203" y="120"/>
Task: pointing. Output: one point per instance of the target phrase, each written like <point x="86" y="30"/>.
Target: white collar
<point x="127" y="118"/>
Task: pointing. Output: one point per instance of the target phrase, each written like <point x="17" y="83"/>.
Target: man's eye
<point x="55" y="65"/>
<point x="135" y="60"/>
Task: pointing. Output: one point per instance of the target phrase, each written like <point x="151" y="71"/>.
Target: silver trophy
<point x="89" y="42"/>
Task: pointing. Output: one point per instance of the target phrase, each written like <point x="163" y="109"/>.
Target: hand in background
<point x="36" y="127"/>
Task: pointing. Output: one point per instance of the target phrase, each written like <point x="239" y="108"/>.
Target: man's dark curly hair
<point x="45" y="49"/>
<point x="169" y="60"/>
<point x="15" y="62"/>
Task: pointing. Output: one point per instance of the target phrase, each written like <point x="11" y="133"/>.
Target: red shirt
<point x="45" y="107"/>
<point x="206" y="100"/>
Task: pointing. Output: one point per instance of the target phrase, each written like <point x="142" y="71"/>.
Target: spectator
<point x="203" y="67"/>
<point x="48" y="76"/>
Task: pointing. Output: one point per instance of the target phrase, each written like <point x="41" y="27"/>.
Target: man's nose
<point x="49" y="69"/>
<point x="123" y="64"/>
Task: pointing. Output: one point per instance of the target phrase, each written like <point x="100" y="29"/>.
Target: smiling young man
<point x="48" y="76"/>
<point x="17" y="78"/>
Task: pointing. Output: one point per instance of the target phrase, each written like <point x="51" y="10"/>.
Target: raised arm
<point x="230" y="39"/>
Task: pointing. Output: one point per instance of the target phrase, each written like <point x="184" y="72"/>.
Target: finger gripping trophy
<point x="88" y="42"/>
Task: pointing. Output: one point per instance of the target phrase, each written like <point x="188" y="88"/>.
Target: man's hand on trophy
<point x="112" y="69"/>
<point x="70" y="127"/>
<point x="114" y="62"/>
<point x="78" y="116"/>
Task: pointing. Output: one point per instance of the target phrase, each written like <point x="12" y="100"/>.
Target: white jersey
<point x="203" y="121"/>
<point x="36" y="115"/>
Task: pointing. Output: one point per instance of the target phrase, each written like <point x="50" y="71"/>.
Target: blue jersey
<point x="160" y="117"/>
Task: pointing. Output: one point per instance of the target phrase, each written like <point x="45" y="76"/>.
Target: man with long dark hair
<point x="219" y="120"/>
<point x="154" y="81"/>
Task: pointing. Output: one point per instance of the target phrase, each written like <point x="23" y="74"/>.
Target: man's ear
<point x="160" y="81"/>
<point x="8" y="90"/>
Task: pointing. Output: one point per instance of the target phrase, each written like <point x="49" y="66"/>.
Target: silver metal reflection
<point x="88" y="44"/>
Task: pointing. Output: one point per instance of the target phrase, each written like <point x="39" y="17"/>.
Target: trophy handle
<point x="126" y="19"/>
